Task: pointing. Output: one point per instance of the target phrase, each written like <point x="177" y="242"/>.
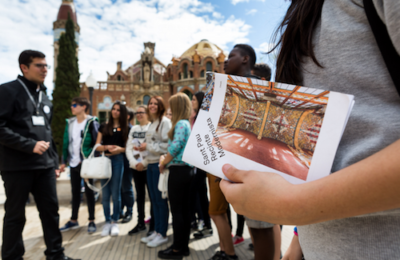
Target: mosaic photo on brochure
<point x="273" y="124"/>
<point x="209" y="93"/>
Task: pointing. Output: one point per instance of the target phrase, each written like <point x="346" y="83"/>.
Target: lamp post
<point x="90" y="84"/>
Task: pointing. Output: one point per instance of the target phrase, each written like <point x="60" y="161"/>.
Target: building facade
<point x="149" y="77"/>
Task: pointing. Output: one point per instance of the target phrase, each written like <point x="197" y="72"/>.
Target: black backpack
<point x="389" y="53"/>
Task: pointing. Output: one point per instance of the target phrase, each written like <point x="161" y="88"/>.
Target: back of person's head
<point x="247" y="50"/>
<point x="181" y="108"/>
<point x="295" y="40"/>
<point x="160" y="110"/>
<point x="262" y="70"/>
<point x="26" y="57"/>
<point x="131" y="113"/>
<point x="199" y="96"/>
<point x="82" y="101"/>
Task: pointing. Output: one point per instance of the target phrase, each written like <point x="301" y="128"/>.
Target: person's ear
<point x="24" y="68"/>
<point x="245" y="59"/>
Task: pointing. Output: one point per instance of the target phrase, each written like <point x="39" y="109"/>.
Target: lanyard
<point x="30" y="96"/>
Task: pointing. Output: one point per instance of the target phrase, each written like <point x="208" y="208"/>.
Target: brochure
<point x="254" y="124"/>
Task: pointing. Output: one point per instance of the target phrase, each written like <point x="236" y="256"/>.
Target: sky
<point x="115" y="30"/>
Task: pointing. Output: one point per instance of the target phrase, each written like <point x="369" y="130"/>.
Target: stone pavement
<point x="78" y="243"/>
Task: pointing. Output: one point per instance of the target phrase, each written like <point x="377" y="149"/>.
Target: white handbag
<point x="96" y="168"/>
<point x="163" y="183"/>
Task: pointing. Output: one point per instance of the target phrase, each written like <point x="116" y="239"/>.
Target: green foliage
<point x="67" y="82"/>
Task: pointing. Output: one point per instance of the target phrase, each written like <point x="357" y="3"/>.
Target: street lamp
<point x="90" y="84"/>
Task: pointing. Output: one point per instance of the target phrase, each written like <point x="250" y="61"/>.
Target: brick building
<point x="148" y="77"/>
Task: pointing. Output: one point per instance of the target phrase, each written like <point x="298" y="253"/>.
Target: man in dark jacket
<point x="28" y="157"/>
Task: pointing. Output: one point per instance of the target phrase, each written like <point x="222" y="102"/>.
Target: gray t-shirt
<point x="346" y="48"/>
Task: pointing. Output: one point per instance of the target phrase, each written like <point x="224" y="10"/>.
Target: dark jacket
<point x="18" y="135"/>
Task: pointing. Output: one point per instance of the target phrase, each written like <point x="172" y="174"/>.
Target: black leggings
<point x="199" y="198"/>
<point x="140" y="179"/>
<point x="179" y="183"/>
<point x="76" y="181"/>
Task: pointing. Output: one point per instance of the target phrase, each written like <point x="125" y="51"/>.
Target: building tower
<point x="67" y="7"/>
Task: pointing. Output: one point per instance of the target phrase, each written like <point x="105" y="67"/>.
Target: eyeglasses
<point x="41" y="66"/>
<point x="74" y="105"/>
<point x="140" y="113"/>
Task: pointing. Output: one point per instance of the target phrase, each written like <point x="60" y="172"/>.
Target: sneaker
<point x="149" y="238"/>
<point x="69" y="225"/>
<point x="64" y="257"/>
<point x="147" y="220"/>
<point x="149" y="233"/>
<point x="169" y="253"/>
<point x="251" y="247"/>
<point x="206" y="232"/>
<point x="127" y="218"/>
<point x="91" y="228"/>
<point x="237" y="240"/>
<point x="114" y="230"/>
<point x="137" y="229"/>
<point x="106" y="230"/>
<point x="200" y="225"/>
<point x="158" y="241"/>
<point x="231" y="257"/>
<point x="219" y="255"/>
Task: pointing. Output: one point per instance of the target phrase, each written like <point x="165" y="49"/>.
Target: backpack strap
<point x="389" y="53"/>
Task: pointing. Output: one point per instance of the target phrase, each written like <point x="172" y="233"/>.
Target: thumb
<point x="233" y="174"/>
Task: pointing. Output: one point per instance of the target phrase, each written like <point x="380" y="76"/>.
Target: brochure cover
<point x="266" y="126"/>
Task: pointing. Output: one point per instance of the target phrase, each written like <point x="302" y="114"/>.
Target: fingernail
<point x="226" y="167"/>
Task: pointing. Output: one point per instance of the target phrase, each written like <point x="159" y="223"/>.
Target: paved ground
<point x="78" y="243"/>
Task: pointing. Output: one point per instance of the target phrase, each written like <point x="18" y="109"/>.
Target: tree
<point x="67" y="82"/>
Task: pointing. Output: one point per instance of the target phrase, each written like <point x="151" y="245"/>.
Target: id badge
<point x="38" y="120"/>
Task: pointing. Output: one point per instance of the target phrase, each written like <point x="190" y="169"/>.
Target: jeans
<point x="18" y="185"/>
<point x="113" y="188"/>
<point x="127" y="197"/>
<point x="76" y="193"/>
<point x="140" y="179"/>
<point x="179" y="182"/>
<point x="159" y="205"/>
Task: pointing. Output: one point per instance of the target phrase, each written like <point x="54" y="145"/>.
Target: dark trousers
<point x="76" y="193"/>
<point x="140" y="179"/>
<point x="42" y="185"/>
<point x="179" y="183"/>
<point x="240" y="225"/>
<point x="199" y="198"/>
<point x="127" y="197"/>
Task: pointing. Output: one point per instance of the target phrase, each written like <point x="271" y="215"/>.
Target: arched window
<point x="191" y="74"/>
<point x="202" y="74"/>
<point x="188" y="93"/>
<point x="146" y="99"/>
<point x="209" y="66"/>
<point x="119" y="77"/>
<point x="185" y="71"/>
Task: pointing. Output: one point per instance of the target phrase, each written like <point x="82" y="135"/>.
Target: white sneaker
<point x="149" y="238"/>
<point x="157" y="241"/>
<point x="200" y="225"/>
<point x="114" y="230"/>
<point x="106" y="230"/>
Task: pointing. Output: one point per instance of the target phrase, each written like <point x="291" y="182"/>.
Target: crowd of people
<point x="351" y="214"/>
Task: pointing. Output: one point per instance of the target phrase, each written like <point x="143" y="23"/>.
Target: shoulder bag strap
<point x="389" y="53"/>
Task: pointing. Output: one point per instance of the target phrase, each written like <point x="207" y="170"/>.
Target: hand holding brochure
<point x="258" y="125"/>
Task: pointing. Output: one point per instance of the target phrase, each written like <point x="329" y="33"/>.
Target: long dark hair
<point x="123" y="121"/>
<point x="160" y="110"/>
<point x="295" y="43"/>
<point x="199" y="96"/>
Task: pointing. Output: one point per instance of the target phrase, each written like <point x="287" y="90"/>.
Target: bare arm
<point x="370" y="185"/>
